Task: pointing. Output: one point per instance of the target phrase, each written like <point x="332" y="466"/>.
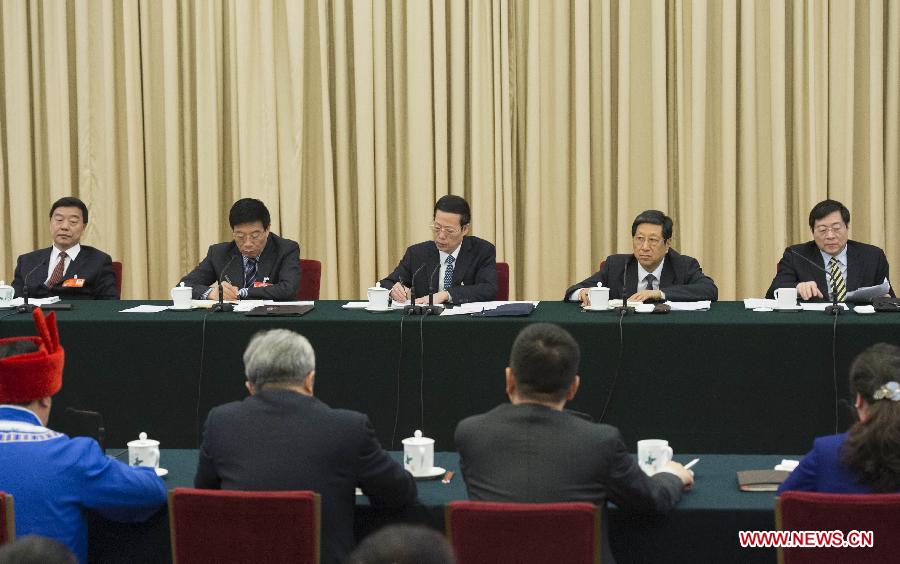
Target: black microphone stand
<point x="834" y="308"/>
<point x="27" y="307"/>
<point x="222" y="306"/>
<point x="431" y="308"/>
<point x="412" y="308"/>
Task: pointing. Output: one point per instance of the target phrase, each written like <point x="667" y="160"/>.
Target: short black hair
<point x="248" y="210"/>
<point x="544" y="360"/>
<point x="655" y="217"/>
<point x="403" y="544"/>
<point x="826" y="207"/>
<point x="454" y="204"/>
<point x="17" y="347"/>
<point x="70" y="202"/>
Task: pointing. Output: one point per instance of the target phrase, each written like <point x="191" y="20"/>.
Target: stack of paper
<point x="475" y="307"/>
<point x="689" y="306"/>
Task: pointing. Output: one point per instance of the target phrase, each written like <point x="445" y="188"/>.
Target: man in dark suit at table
<point x="66" y="269"/>
<point x="283" y="438"/>
<point x="832" y="263"/>
<point x="455" y="267"/>
<point x="654" y="272"/>
<point x="256" y="265"/>
<point x="532" y="450"/>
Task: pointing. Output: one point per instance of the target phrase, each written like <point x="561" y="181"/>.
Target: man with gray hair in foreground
<point x="283" y="438"/>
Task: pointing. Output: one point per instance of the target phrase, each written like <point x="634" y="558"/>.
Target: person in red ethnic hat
<point x="51" y="477"/>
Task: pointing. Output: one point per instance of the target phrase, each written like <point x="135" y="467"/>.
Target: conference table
<point x="702" y="528"/>
<point x="727" y="380"/>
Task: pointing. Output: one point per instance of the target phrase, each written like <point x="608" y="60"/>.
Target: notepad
<point x="761" y="480"/>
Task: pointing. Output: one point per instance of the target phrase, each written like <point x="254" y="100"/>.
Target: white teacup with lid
<point x="181" y="296"/>
<point x="6" y="293"/>
<point x="144" y="452"/>
<point x="418" y="455"/>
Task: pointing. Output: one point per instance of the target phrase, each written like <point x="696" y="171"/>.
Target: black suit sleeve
<point x="206" y="476"/>
<point x="105" y="287"/>
<point x="695" y="286"/>
<point x="785" y="275"/>
<point x="485" y="287"/>
<point x="601" y="275"/>
<point x="380" y="477"/>
<point x="631" y="489"/>
<point x="202" y="276"/>
<point x="286" y="271"/>
<point x="403" y="273"/>
<point x="18" y="275"/>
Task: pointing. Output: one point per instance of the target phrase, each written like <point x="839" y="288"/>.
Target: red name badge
<point x="260" y="284"/>
<point x="75" y="282"/>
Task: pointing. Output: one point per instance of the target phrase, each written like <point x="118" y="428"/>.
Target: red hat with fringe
<point x="33" y="375"/>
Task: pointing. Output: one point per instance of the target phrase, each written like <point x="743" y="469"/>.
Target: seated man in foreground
<point x="654" y="272"/>
<point x="256" y="265"/>
<point x="51" y="477"/>
<point x="283" y="438"/>
<point x="532" y="450"/>
<point x="832" y="265"/>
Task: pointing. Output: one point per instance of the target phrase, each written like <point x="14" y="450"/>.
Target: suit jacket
<point x="821" y="470"/>
<point x="534" y="454"/>
<point x="682" y="279"/>
<point x="91" y="265"/>
<point x="866" y="266"/>
<point x="280" y="261"/>
<point x="474" y="272"/>
<point x="284" y="440"/>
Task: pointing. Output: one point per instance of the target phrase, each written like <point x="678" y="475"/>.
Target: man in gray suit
<point x="532" y="450"/>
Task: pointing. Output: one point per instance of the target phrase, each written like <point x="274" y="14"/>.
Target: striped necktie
<point x="58" y="271"/>
<point x="649" y="280"/>
<point x="838" y="288"/>
<point x="249" y="273"/>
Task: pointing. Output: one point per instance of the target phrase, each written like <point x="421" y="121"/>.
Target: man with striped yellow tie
<point x="832" y="264"/>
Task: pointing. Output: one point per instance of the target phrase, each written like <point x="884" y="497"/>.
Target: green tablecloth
<point x="724" y="380"/>
<point x="703" y="528"/>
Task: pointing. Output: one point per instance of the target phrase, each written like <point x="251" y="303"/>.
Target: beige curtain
<point x="559" y="121"/>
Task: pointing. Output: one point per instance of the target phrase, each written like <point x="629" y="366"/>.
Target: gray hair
<point x="278" y="355"/>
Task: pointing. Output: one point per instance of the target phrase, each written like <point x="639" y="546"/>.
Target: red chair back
<point x="491" y="533"/>
<point x="813" y="511"/>
<point x="117" y="270"/>
<point x="502" y="281"/>
<point x="310" y="278"/>
<point x="238" y="526"/>
<point x="7" y="519"/>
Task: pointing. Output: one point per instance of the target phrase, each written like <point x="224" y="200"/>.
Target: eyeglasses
<point x="449" y="231"/>
<point x="255" y="236"/>
<point x="836" y="228"/>
<point x="654" y="242"/>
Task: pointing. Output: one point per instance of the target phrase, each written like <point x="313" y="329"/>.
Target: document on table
<point x="819" y="306"/>
<point x="689" y="306"/>
<point x="753" y="303"/>
<point x="247" y="305"/>
<point x="475" y="307"/>
<point x="145" y="308"/>
<point x="16" y="302"/>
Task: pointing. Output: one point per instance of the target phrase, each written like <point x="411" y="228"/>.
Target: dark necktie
<point x="448" y="273"/>
<point x="249" y="273"/>
<point x="649" y="280"/>
<point x="57" y="275"/>
<point x="838" y="288"/>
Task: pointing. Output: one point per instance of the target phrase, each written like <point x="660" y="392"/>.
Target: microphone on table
<point x="431" y="308"/>
<point x="624" y="309"/>
<point x="834" y="308"/>
<point x="412" y="308"/>
<point x="27" y="307"/>
<point x="222" y="306"/>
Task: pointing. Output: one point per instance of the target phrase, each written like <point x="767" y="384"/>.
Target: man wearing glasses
<point x="654" y="272"/>
<point x="453" y="267"/>
<point x="256" y="265"/>
<point x="831" y="263"/>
